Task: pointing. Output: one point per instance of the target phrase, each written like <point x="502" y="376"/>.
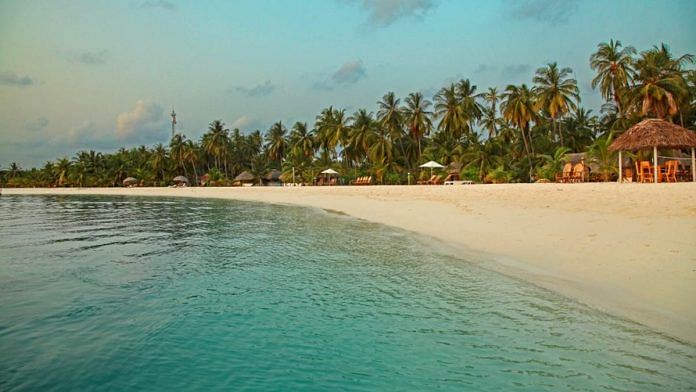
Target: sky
<point x="80" y="75"/>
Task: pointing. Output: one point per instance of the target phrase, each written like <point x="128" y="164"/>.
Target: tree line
<point x="517" y="134"/>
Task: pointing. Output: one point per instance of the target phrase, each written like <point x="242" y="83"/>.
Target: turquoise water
<point x="134" y="294"/>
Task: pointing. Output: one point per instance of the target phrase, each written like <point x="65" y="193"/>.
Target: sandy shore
<point x="626" y="249"/>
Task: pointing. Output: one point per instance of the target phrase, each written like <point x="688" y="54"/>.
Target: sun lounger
<point x="459" y="182"/>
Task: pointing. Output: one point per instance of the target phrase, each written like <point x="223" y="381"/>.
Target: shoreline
<point x="625" y="249"/>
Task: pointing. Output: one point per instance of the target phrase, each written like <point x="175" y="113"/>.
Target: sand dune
<point x="627" y="249"/>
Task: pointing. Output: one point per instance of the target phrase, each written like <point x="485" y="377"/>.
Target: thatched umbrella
<point x="181" y="180"/>
<point x="655" y="133"/>
<point x="128" y="181"/>
<point x="244" y="176"/>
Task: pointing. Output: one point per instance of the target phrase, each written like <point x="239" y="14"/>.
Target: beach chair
<point x="428" y="181"/>
<point x="578" y="174"/>
<point x="645" y="172"/>
<point x="565" y="175"/>
<point x="670" y="174"/>
<point x="437" y="181"/>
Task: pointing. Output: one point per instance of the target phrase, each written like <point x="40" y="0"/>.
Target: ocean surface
<point x="136" y="294"/>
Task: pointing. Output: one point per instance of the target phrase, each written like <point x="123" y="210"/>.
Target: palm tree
<point x="302" y="139"/>
<point x="417" y="118"/>
<point x="362" y="133"/>
<point x="614" y="66"/>
<point x="190" y="154"/>
<point x="519" y="108"/>
<point x="449" y="110"/>
<point x="177" y="150"/>
<point x="606" y="159"/>
<point x="276" y="144"/>
<point x="659" y="82"/>
<point x="390" y="117"/>
<point x="471" y="109"/>
<point x="215" y="143"/>
<point x="489" y="116"/>
<point x="62" y="168"/>
<point x="556" y="93"/>
<point x="158" y="161"/>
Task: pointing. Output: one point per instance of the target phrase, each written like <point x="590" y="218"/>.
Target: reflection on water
<point x="106" y="293"/>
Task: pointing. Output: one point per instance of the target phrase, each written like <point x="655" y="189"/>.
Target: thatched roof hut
<point x="653" y="132"/>
<point x="130" y="181"/>
<point x="244" y="178"/>
<point x="180" y="180"/>
<point x="273" y="178"/>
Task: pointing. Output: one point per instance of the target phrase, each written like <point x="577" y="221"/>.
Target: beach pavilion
<point x="244" y="179"/>
<point x="653" y="133"/>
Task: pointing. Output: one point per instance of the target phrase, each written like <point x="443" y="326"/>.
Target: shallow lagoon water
<point x="107" y="293"/>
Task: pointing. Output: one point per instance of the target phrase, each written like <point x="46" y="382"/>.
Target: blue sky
<point x="103" y="74"/>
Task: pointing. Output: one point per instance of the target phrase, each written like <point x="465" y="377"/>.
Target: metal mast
<point x="173" y="121"/>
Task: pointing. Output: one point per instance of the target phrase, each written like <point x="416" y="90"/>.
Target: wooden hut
<point x="244" y="179"/>
<point x="652" y="134"/>
<point x="272" y="178"/>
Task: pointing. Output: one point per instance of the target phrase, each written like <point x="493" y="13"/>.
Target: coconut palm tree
<point x="449" y="110"/>
<point x="158" y="161"/>
<point x="519" y="107"/>
<point x="190" y="154"/>
<point x="659" y="82"/>
<point x="417" y="118"/>
<point x="276" y="143"/>
<point x="215" y="143"/>
<point x="556" y="92"/>
<point x="176" y="152"/>
<point x="471" y="109"/>
<point x="390" y="117"/>
<point x="362" y="133"/>
<point x="614" y="66"/>
<point x="605" y="158"/>
<point x="302" y="139"/>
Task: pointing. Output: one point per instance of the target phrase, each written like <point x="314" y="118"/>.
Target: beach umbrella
<point x="432" y="165"/>
<point x="181" y="179"/>
<point x="654" y="133"/>
<point x="130" y="181"/>
<point x="330" y="171"/>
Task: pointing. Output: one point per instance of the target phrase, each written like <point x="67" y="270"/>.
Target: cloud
<point x="260" y="90"/>
<point x="37" y="125"/>
<point x="515" y="70"/>
<point x="13" y="79"/>
<point x="83" y="132"/>
<point x="383" y="13"/>
<point x="350" y="72"/>
<point x="145" y="123"/>
<point x="163" y="4"/>
<point x="87" y="58"/>
<point x="482" y="68"/>
<point x="552" y="12"/>
<point x="241" y="122"/>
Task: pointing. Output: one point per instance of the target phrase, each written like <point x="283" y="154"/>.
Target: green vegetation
<point x="518" y="134"/>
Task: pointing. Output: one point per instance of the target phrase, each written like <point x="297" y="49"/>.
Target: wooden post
<point x="620" y="168"/>
<point x="655" y="163"/>
<point x="693" y="165"/>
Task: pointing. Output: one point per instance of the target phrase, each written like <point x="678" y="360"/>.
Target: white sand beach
<point x="627" y="249"/>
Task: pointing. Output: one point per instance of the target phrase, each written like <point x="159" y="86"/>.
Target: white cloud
<point x="242" y="122"/>
<point x="383" y="13"/>
<point x="349" y="72"/>
<point x="145" y="122"/>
